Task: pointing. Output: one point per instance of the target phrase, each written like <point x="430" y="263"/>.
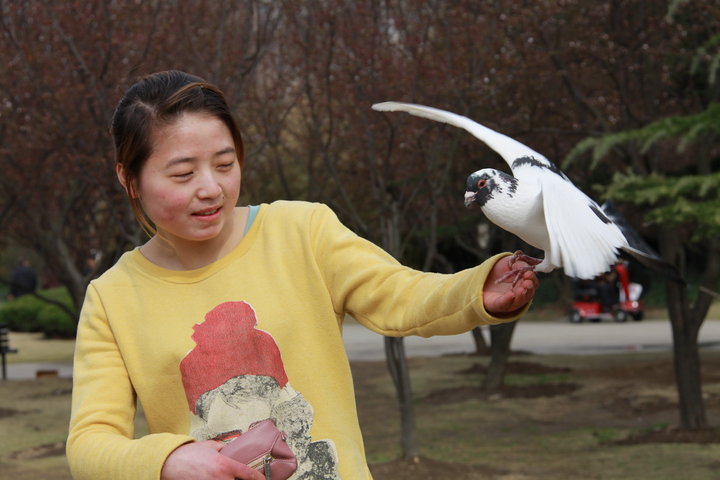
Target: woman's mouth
<point x="208" y="213"/>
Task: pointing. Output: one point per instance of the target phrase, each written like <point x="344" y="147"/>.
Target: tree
<point x="685" y="208"/>
<point x="55" y="183"/>
<point x="684" y="205"/>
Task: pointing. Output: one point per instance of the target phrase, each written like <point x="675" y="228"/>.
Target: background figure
<point x="609" y="294"/>
<point x="23" y="280"/>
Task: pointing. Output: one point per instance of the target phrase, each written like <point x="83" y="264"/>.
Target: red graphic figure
<point x="235" y="377"/>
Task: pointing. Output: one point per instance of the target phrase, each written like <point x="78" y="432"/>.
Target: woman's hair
<point x="153" y="101"/>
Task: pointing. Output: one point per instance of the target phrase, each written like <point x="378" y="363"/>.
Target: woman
<point x="231" y="315"/>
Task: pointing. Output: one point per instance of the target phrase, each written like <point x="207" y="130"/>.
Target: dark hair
<point x="155" y="100"/>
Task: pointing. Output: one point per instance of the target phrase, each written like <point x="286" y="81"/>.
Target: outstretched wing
<point x="582" y="238"/>
<point x="509" y="149"/>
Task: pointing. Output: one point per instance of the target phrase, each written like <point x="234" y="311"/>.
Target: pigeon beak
<point x="470" y="199"/>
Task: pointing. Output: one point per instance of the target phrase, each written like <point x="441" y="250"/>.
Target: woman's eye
<point x="182" y="175"/>
<point x="227" y="166"/>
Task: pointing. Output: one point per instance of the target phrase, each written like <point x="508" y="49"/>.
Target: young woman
<point x="231" y="315"/>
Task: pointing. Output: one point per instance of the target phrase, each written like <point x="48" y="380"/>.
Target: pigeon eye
<point x="482" y="183"/>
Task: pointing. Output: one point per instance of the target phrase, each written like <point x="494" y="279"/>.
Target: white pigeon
<point x="538" y="203"/>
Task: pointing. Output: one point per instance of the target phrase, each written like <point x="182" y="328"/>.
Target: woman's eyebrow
<point x="182" y="160"/>
<point x="178" y="161"/>
<point x="225" y="150"/>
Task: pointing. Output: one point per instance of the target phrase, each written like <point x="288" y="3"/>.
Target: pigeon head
<point x="484" y="184"/>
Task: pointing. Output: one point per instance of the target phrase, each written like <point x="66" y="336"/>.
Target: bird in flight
<point x="538" y="203"/>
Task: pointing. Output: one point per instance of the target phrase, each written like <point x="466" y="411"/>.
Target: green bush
<point x="54" y="322"/>
<point x="20" y="315"/>
<point x="26" y="314"/>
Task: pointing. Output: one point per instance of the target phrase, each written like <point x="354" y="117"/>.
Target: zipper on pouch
<point x="264" y="463"/>
<point x="266" y="467"/>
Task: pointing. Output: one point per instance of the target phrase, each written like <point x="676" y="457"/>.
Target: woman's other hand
<point x="203" y="461"/>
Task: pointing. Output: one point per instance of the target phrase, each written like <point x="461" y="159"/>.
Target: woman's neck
<point x="178" y="254"/>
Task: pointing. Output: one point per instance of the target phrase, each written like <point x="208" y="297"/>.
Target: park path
<point x="554" y="337"/>
<point x="557" y="337"/>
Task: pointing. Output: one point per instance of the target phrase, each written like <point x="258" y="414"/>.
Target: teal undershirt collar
<point x="254" y="209"/>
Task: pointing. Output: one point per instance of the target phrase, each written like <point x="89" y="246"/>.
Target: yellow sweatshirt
<point x="255" y="335"/>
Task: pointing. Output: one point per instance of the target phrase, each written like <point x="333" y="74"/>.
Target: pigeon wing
<point x="582" y="238"/>
<point x="638" y="248"/>
<point x="509" y="149"/>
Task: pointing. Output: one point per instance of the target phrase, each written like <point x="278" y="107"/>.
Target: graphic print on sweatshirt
<point x="234" y="377"/>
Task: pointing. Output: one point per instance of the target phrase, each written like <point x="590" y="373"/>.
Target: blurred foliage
<point x="53" y="322"/>
<point x="31" y="314"/>
<point x="684" y="129"/>
<point x="710" y="53"/>
<point x="686" y="193"/>
<point x="20" y="315"/>
<point x="674" y="201"/>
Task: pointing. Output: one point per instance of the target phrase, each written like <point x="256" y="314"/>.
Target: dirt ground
<point x="557" y="418"/>
<point x="638" y="398"/>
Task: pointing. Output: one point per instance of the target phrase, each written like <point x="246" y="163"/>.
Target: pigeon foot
<point x="520" y="255"/>
<point x="518" y="272"/>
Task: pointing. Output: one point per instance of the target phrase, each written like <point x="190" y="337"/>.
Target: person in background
<point x="23" y="280"/>
<point x="229" y="315"/>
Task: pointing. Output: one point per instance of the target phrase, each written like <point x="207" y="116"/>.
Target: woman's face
<point x="190" y="184"/>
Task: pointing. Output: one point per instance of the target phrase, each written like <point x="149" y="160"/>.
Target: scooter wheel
<point x="575" y="316"/>
<point x="620" y="316"/>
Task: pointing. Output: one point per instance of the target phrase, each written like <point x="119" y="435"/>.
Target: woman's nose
<point x="209" y="186"/>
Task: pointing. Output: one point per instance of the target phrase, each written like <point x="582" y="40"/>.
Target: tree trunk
<point x="500" y="337"/>
<point x="685" y="328"/>
<point x="687" y="377"/>
<point x="481" y="346"/>
<point x="397" y="364"/>
<point x="395" y="346"/>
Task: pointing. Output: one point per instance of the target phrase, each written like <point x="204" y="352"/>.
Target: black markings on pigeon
<point x="600" y="214"/>
<point x="512" y="184"/>
<point x="485" y="193"/>
<point x="537" y="163"/>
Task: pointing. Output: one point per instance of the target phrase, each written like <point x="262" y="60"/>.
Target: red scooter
<point x="608" y="297"/>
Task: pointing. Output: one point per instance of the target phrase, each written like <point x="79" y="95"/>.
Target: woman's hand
<point x="202" y="461"/>
<point x="504" y="298"/>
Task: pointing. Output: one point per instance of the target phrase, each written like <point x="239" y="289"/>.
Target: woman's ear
<point x="129" y="189"/>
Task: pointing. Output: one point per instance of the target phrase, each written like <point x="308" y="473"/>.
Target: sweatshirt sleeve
<point x="100" y="442"/>
<point x="394" y="300"/>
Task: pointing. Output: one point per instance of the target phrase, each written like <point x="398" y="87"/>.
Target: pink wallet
<point x="264" y="448"/>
